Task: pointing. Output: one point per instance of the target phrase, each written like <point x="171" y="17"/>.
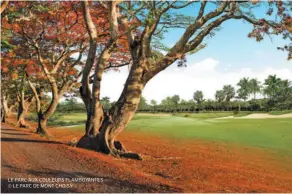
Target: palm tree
<point x="244" y="88"/>
<point x="272" y="86"/>
<point x="229" y="92"/>
<point x="220" y="96"/>
<point x="255" y="87"/>
<point x="284" y="89"/>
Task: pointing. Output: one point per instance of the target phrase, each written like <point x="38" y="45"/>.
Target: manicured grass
<point x="275" y="134"/>
<point x="268" y="133"/>
<point x="210" y="115"/>
<point x="73" y="117"/>
<point x="59" y="119"/>
<point x="280" y="112"/>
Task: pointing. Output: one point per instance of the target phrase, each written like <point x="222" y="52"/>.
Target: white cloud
<point x="204" y="75"/>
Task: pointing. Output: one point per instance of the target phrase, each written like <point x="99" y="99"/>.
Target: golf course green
<point x="272" y="133"/>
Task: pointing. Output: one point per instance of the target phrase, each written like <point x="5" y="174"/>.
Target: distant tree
<point x="106" y="103"/>
<point x="285" y="91"/>
<point x="175" y="99"/>
<point x="255" y="87"/>
<point x="229" y="92"/>
<point x="153" y="102"/>
<point x="143" y="103"/>
<point x="272" y="86"/>
<point x="209" y="104"/>
<point x="198" y="97"/>
<point x="220" y="96"/>
<point x="183" y="102"/>
<point x="167" y="102"/>
<point x="244" y="89"/>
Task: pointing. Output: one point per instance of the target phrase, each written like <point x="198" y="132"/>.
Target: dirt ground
<point x="167" y="166"/>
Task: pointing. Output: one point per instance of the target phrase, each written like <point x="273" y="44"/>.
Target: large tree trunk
<point x="92" y="99"/>
<point x="43" y="118"/>
<point x="95" y="112"/>
<point x="21" y="115"/>
<point x="102" y="128"/>
<point x="42" y="125"/>
<point x="121" y="114"/>
<point x="3" y="116"/>
<point x="118" y="117"/>
<point x="23" y="106"/>
<point x="85" y="91"/>
<point x="4" y="109"/>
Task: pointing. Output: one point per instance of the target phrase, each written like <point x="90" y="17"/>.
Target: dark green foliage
<point x="277" y="96"/>
<point x="71" y="105"/>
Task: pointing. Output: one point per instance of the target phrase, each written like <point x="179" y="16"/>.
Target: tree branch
<point x="117" y="66"/>
<point x="182" y="6"/>
<point x="202" y="9"/>
<point x="189" y="32"/>
<point x="4" y="5"/>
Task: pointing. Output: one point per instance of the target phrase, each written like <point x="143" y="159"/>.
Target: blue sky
<point x="229" y="56"/>
<point x="231" y="44"/>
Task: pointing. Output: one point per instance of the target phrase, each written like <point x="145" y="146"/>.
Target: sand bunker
<point x="259" y="116"/>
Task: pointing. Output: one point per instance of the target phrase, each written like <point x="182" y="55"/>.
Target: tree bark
<point x="56" y="95"/>
<point x="85" y="91"/>
<point x="21" y="112"/>
<point x="91" y="98"/>
<point x="43" y="117"/>
<point x="23" y="106"/>
<point x="118" y="117"/>
<point x="41" y="129"/>
<point x="4" y="109"/>
<point x="42" y="125"/>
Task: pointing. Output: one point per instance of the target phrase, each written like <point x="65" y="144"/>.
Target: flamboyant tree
<point x="8" y="76"/>
<point x="119" y="33"/>
<point x="50" y="34"/>
<point x="15" y="85"/>
<point x="112" y="54"/>
<point x="8" y="97"/>
<point x="153" y="18"/>
<point x="3" y="6"/>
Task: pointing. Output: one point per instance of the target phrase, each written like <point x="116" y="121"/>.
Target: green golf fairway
<point x="273" y="134"/>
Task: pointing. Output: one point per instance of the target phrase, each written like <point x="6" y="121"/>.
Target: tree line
<point x="50" y="49"/>
<point x="273" y="94"/>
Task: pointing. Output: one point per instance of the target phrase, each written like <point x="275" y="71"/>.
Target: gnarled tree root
<point x="93" y="143"/>
<point x="130" y="155"/>
<point x="42" y="133"/>
<point x="88" y="143"/>
<point x="21" y="125"/>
